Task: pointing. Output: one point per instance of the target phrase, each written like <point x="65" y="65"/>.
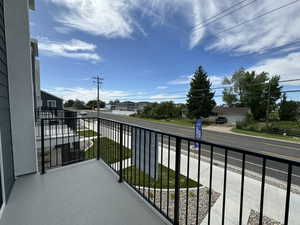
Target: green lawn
<point x="260" y="134"/>
<point x="109" y="151"/>
<point x="133" y="174"/>
<point x="181" y="122"/>
<point x="87" y="133"/>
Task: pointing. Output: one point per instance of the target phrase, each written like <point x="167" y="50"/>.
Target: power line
<point x="198" y="90"/>
<point x="258" y="17"/>
<point x="209" y="20"/>
<point x="291" y="91"/>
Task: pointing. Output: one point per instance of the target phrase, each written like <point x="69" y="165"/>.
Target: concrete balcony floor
<point x="81" y="194"/>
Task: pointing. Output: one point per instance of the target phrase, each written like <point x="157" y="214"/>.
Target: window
<point x="51" y="103"/>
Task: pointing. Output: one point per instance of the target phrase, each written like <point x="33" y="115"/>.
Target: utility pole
<point x="268" y="104"/>
<point x="98" y="80"/>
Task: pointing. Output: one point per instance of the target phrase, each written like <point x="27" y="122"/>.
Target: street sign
<point x="198" y="131"/>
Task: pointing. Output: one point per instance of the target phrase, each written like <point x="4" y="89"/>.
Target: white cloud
<point x="108" y="18"/>
<point x="76" y="49"/>
<point x="287" y="67"/>
<point x="87" y="94"/>
<point x="164" y="97"/>
<point x="62" y="30"/>
<point x="117" y="18"/>
<point x="162" y="87"/>
<point x="183" y="80"/>
<point x="215" y="80"/>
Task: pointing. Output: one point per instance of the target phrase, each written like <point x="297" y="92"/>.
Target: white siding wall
<point x="20" y="85"/>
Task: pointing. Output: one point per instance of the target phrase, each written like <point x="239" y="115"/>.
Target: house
<point x="51" y="102"/>
<point x="126" y="106"/>
<point x="233" y="114"/>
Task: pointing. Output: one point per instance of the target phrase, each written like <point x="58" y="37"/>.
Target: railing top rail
<point x="233" y="149"/>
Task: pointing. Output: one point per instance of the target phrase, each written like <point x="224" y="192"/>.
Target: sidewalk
<point x="226" y="129"/>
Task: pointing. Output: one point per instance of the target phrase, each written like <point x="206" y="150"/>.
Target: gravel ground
<point x="254" y="219"/>
<point x="192" y="203"/>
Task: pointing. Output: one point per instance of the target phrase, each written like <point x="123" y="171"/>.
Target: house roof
<point x="51" y="95"/>
<point x="233" y="110"/>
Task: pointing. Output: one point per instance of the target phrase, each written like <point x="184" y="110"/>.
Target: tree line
<point x="78" y="104"/>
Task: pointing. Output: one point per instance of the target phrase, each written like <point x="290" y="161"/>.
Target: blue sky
<point x="148" y="49"/>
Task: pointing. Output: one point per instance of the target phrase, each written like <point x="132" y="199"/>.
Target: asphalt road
<point x="270" y="147"/>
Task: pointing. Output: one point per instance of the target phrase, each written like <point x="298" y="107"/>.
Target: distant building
<point x="50" y="101"/>
<point x="233" y="114"/>
<point x="128" y="106"/>
<point x="141" y="105"/>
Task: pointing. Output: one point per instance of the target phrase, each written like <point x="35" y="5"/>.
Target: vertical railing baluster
<point x="144" y="164"/>
<point x="262" y="193"/>
<point x="121" y="153"/>
<point x="131" y="154"/>
<point x="198" y="182"/>
<point x="288" y="195"/>
<point x="210" y="182"/>
<point x="149" y="178"/>
<point x="177" y="181"/>
<point x="50" y="143"/>
<point x="187" y="184"/>
<point x="156" y="164"/>
<point x="135" y="151"/>
<point x="161" y="168"/>
<point x="168" y="192"/>
<point x="56" y="153"/>
<point x="43" y="146"/>
<point x="242" y="189"/>
<point x="140" y="152"/>
<point x="98" y="138"/>
<point x="224" y="187"/>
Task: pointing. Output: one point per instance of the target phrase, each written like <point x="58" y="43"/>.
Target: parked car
<point x="83" y="113"/>
<point x="221" y="120"/>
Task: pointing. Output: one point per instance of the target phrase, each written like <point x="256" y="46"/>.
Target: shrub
<point x="289" y="110"/>
<point x="249" y="120"/>
<point x="274" y="116"/>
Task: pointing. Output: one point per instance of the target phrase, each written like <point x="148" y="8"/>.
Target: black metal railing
<point x="66" y="140"/>
<point x="183" y="178"/>
<point x="50" y="115"/>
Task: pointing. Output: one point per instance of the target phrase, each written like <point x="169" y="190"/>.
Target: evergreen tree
<point x="200" y="102"/>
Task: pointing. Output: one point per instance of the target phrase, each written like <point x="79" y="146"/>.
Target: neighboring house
<point x="129" y="106"/>
<point x="126" y="106"/>
<point x="50" y="101"/>
<point x="233" y="114"/>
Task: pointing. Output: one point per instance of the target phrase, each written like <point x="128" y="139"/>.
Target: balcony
<point x="135" y="175"/>
<point x="84" y="193"/>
